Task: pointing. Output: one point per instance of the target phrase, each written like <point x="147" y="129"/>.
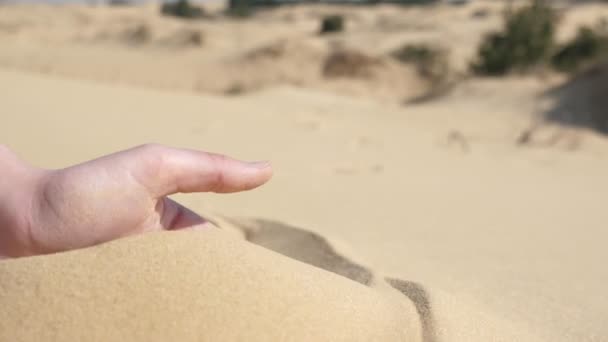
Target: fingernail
<point x="259" y="164"/>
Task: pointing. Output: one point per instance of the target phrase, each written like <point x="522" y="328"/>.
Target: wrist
<point x="17" y="188"/>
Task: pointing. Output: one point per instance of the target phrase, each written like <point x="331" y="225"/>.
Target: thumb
<point x="176" y="216"/>
<point x="166" y="171"/>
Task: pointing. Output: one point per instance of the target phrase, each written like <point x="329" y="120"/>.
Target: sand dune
<point x="206" y="285"/>
<point x="464" y="218"/>
<point x="496" y="236"/>
<point x="135" y="45"/>
<point x="190" y="287"/>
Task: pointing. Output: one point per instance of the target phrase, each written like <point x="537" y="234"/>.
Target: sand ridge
<point x="393" y="204"/>
<point x="191" y="286"/>
<point x="206" y="284"/>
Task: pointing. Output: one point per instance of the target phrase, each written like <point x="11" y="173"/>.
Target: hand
<point x="45" y="211"/>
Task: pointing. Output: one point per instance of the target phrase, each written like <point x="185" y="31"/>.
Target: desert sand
<point x="467" y="217"/>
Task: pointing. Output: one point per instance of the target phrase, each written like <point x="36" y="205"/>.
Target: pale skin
<point x="121" y="194"/>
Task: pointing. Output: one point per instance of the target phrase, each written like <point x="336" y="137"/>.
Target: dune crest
<point x="456" y="320"/>
<point x="207" y="284"/>
<point x="191" y="286"/>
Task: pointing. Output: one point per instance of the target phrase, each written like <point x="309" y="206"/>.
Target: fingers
<point x="176" y="216"/>
<point x="168" y="170"/>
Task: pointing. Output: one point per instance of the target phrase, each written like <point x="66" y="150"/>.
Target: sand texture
<point x="191" y="286"/>
<point x="208" y="285"/>
<point x="475" y="215"/>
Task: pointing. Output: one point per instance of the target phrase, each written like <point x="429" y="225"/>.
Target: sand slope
<point x="208" y="285"/>
<point x="219" y="55"/>
<point x="464" y="218"/>
<point x="203" y="286"/>
<point x="507" y="235"/>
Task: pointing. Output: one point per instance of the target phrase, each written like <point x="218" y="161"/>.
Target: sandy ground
<point x="504" y="240"/>
<point x="134" y="45"/>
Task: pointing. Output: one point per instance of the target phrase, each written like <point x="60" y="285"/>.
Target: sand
<point x="193" y="286"/>
<point x="134" y="45"/>
<point x="419" y="222"/>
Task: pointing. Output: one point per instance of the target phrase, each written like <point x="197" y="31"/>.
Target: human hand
<point x="45" y="211"/>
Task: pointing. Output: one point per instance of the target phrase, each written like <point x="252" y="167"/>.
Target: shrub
<point x="525" y="41"/>
<point x="119" y="2"/>
<point x="481" y="13"/>
<point x="430" y="61"/>
<point x="272" y="51"/>
<point x="186" y="37"/>
<point x="586" y="47"/>
<point x="182" y="9"/>
<point x="138" y="34"/>
<point x="349" y="64"/>
<point x="239" y="8"/>
<point x="235" y="89"/>
<point x="410" y="2"/>
<point x="332" y="24"/>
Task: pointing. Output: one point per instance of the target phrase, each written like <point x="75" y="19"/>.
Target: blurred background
<point x="456" y="143"/>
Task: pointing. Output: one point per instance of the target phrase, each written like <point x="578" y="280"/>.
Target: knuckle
<point x="216" y="174"/>
<point x="4" y="149"/>
<point x="151" y="148"/>
<point x="153" y="154"/>
<point x="150" y="165"/>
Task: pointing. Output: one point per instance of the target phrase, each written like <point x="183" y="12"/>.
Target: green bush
<point x="350" y="64"/>
<point x="525" y="41"/>
<point x="414" y="53"/>
<point x="138" y="35"/>
<point x="119" y="2"/>
<point x="587" y="46"/>
<point x="182" y="9"/>
<point x="239" y="8"/>
<point x="430" y="61"/>
<point x="407" y="2"/>
<point x="332" y="24"/>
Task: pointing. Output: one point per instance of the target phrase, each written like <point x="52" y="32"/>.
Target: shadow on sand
<point x="582" y="101"/>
